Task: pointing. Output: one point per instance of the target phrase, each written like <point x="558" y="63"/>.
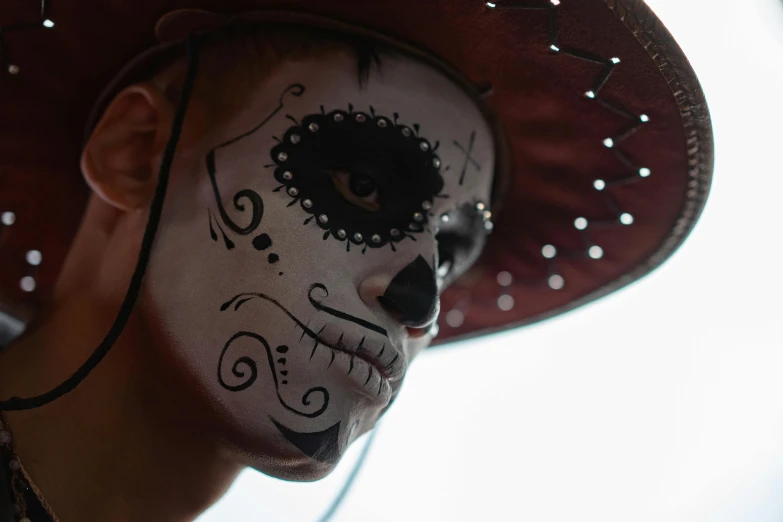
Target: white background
<point x="663" y="402"/>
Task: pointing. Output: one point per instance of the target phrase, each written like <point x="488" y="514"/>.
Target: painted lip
<point x="390" y="368"/>
<point x="391" y="371"/>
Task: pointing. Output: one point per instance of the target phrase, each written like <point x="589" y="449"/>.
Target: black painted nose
<point x="412" y="296"/>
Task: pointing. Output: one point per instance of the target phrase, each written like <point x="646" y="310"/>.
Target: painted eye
<point x="358" y="189"/>
<point x="445" y="261"/>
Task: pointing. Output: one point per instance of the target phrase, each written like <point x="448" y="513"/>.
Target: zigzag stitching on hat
<point x="43" y="23"/>
<point x="591" y="249"/>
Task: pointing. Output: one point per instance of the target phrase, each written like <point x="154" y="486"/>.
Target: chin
<point x="284" y="447"/>
<point x="295" y="469"/>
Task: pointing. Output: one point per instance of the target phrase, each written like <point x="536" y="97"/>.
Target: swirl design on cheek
<point x="253" y="198"/>
<point x="250" y="364"/>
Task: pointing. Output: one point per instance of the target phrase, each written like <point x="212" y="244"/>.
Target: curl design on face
<point x="363" y="178"/>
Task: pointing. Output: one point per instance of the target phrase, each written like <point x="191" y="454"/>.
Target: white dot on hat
<point x="599" y="184"/>
<point x="505" y="302"/>
<point x="549" y="251"/>
<point x="8" y="218"/>
<point x="626" y="219"/>
<point x="27" y="283"/>
<point x="34" y="257"/>
<point x="48" y="23"/>
<point x="644" y="172"/>
<point x="556" y="282"/>
<point x="505" y="278"/>
<point x="455" y="318"/>
<point x="580" y="223"/>
<point x="596" y="252"/>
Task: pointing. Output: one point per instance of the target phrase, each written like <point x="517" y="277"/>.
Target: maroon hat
<point x="606" y="149"/>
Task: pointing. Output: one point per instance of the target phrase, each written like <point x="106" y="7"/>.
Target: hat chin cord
<point x="156" y="207"/>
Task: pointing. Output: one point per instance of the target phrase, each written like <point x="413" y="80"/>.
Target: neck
<point x="126" y="444"/>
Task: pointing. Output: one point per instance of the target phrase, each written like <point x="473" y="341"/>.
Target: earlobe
<point x="119" y="160"/>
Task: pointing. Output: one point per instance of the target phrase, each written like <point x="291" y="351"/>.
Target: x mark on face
<point x="468" y="156"/>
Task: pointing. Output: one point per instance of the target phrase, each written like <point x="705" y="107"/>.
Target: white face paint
<point x="265" y="285"/>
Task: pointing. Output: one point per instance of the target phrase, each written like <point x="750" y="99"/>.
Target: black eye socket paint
<point x="412" y="296"/>
<point x="403" y="166"/>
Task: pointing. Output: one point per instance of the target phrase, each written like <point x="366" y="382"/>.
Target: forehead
<point x="401" y="89"/>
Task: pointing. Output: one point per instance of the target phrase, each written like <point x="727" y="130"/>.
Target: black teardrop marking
<point x="273" y="258"/>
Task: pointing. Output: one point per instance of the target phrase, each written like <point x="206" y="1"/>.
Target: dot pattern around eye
<point x="395" y="155"/>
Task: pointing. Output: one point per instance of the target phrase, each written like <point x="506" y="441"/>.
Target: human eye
<point x="459" y="242"/>
<point x="357" y="189"/>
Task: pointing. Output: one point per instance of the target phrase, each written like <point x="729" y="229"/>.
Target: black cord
<point x="350" y="480"/>
<point x="156" y="207"/>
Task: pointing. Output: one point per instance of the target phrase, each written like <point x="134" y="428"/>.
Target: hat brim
<point x="610" y="137"/>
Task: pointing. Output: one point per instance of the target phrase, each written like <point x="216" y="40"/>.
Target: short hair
<point x="233" y="61"/>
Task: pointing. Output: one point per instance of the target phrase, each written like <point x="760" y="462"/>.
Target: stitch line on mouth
<point x="361" y="355"/>
<point x="243" y="298"/>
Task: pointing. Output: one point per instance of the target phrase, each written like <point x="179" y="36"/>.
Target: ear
<point x="119" y="161"/>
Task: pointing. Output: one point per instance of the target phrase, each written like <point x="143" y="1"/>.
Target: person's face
<point x="297" y="278"/>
